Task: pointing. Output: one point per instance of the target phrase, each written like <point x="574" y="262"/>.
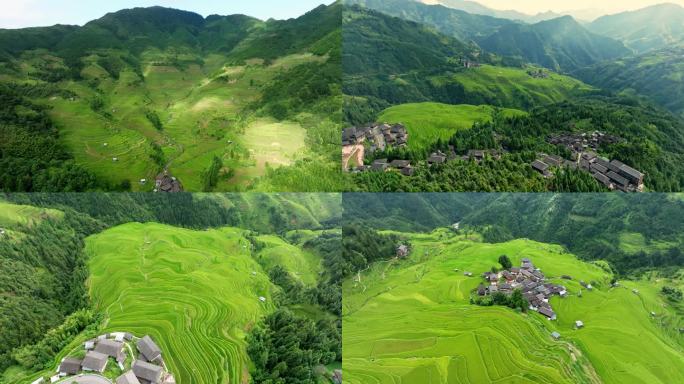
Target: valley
<point x="430" y="53"/>
<point x="127" y="107"/>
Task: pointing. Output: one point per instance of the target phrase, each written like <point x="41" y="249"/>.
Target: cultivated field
<point x="196" y="293"/>
<point x="411" y="321"/>
<point x="428" y="122"/>
<point x="201" y="109"/>
<point x="512" y="87"/>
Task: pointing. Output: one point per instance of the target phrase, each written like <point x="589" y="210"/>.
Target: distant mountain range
<point x="583" y="15"/>
<point x="561" y="44"/>
<point x="646" y="29"/>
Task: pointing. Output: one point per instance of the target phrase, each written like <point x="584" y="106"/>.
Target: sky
<point x="537" y="6"/>
<point x="33" y="13"/>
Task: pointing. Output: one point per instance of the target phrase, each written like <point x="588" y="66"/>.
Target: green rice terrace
<point x="196" y="293"/>
<point x="207" y="100"/>
<point x="410" y="320"/>
<point x="428" y="122"/>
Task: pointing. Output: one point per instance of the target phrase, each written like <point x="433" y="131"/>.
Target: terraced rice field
<point x="25" y="215"/>
<point x="411" y="322"/>
<point x="200" y="108"/>
<point x="193" y="292"/>
<point x="428" y="122"/>
<point x="507" y="86"/>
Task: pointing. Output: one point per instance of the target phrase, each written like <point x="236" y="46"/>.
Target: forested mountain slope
<point x="646" y="29"/>
<point x="146" y="89"/>
<point x="593" y="226"/>
<point x="658" y="75"/>
<point x="560" y="44"/>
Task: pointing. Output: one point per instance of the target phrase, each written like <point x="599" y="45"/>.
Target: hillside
<point x="657" y="75"/>
<point x="428" y="122"/>
<point x="560" y="44"/>
<point x="479" y="9"/>
<point x="66" y="269"/>
<point x="146" y="89"/>
<point x="389" y="61"/>
<point x="450" y="339"/>
<point x="451" y="22"/>
<point x="654" y="27"/>
<point x="193" y="292"/>
<point x="610" y="227"/>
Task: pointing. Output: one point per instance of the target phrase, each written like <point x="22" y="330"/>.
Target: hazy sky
<point x="31" y="13"/>
<point x="536" y="6"/>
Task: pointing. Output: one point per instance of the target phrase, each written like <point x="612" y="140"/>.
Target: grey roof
<point x="95" y="361"/>
<point x="599" y="168"/>
<point x="602" y="178"/>
<point x="127" y="378"/>
<point x="70" y="366"/>
<point x="617" y="178"/>
<point x="109" y="347"/>
<point x="539" y="165"/>
<point x="147" y="371"/>
<point x="149" y="348"/>
<point x="555" y="335"/>
<point x="400" y="163"/>
<point x="631" y="172"/>
<point x="547" y="312"/>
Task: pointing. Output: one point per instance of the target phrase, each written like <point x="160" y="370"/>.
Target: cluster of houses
<point x="358" y="142"/>
<point x="378" y="136"/>
<point x="614" y="174"/>
<point x="531" y="282"/>
<point x="147" y="366"/>
<point x="167" y="183"/>
<point x="538" y="73"/>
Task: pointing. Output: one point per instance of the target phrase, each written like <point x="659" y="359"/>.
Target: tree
<point x="505" y="262"/>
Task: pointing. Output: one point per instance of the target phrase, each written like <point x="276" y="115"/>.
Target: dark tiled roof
<point x="127" y="378"/>
<point x="70" y="366"/>
<point x="149" y="348"/>
<point x="147" y="371"/>
<point x="95" y="361"/>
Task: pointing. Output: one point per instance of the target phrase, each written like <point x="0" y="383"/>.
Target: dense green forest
<point x="31" y="155"/>
<point x="632" y="232"/>
<point x="655" y="75"/>
<point x="44" y="266"/>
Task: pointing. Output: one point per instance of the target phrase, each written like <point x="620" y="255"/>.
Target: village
<point x="140" y="360"/>
<point x="531" y="282"/>
<point x="614" y="174"/>
<point x="359" y="144"/>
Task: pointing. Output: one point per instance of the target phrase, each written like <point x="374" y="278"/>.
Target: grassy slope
<point x="514" y="86"/>
<point x="200" y="110"/>
<point x="447" y="339"/>
<point x="12" y="215"/>
<point x="427" y="122"/>
<point x="192" y="291"/>
<point x="301" y="264"/>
